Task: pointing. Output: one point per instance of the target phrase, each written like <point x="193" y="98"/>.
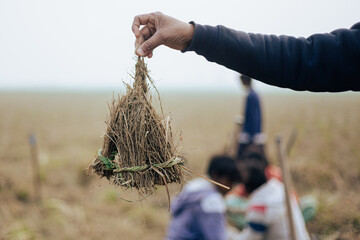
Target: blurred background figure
<point x="265" y="213"/>
<point x="198" y="212"/>
<point x="251" y="137"/>
<point x="237" y="200"/>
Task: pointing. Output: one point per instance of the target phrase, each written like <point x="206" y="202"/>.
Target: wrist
<point x="188" y="35"/>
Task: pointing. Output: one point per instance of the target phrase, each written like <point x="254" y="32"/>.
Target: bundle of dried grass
<point x="138" y="151"/>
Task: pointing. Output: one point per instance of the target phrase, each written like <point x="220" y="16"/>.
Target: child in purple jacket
<point x="198" y="212"/>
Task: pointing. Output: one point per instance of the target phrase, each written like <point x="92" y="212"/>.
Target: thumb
<point x="149" y="45"/>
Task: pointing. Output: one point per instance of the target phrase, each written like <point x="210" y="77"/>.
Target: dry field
<point x="325" y="161"/>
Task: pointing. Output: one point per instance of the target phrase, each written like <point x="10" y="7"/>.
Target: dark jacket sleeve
<point x="322" y="62"/>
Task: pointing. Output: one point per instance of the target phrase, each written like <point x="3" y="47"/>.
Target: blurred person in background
<point x="328" y="62"/>
<point x="266" y="213"/>
<point x="198" y="212"/>
<point x="250" y="137"/>
<point x="237" y="200"/>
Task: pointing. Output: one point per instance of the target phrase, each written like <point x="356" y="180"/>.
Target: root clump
<point x="138" y="150"/>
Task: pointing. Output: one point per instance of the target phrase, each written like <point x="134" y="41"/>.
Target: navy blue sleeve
<point x="322" y="62"/>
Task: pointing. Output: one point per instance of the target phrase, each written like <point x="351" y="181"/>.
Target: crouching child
<point x="266" y="213"/>
<point x="198" y="212"/>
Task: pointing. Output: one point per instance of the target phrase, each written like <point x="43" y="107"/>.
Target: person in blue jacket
<point x="322" y="62"/>
<point x="198" y="212"/>
<point x="251" y="137"/>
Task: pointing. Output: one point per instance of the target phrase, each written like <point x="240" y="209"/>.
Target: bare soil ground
<point x="325" y="161"/>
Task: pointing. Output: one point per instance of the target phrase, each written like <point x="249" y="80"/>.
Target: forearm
<point x="323" y="62"/>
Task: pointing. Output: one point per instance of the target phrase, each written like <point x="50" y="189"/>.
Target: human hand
<point x="160" y="29"/>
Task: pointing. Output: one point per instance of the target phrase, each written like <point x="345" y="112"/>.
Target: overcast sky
<point x="75" y="44"/>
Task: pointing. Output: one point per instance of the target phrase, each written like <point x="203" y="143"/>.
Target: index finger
<point x="138" y="21"/>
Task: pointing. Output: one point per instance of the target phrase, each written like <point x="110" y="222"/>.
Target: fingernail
<point x="140" y="52"/>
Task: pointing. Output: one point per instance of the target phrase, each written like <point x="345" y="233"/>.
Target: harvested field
<point x="325" y="161"/>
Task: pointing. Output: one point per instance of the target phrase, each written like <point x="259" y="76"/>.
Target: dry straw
<point x="138" y="150"/>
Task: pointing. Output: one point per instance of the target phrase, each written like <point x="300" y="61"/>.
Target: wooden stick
<point x="291" y="142"/>
<point x="287" y="186"/>
<point x="35" y="168"/>
<point x="208" y="179"/>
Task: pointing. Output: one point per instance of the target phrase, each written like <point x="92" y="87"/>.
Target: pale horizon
<point x="69" y="45"/>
